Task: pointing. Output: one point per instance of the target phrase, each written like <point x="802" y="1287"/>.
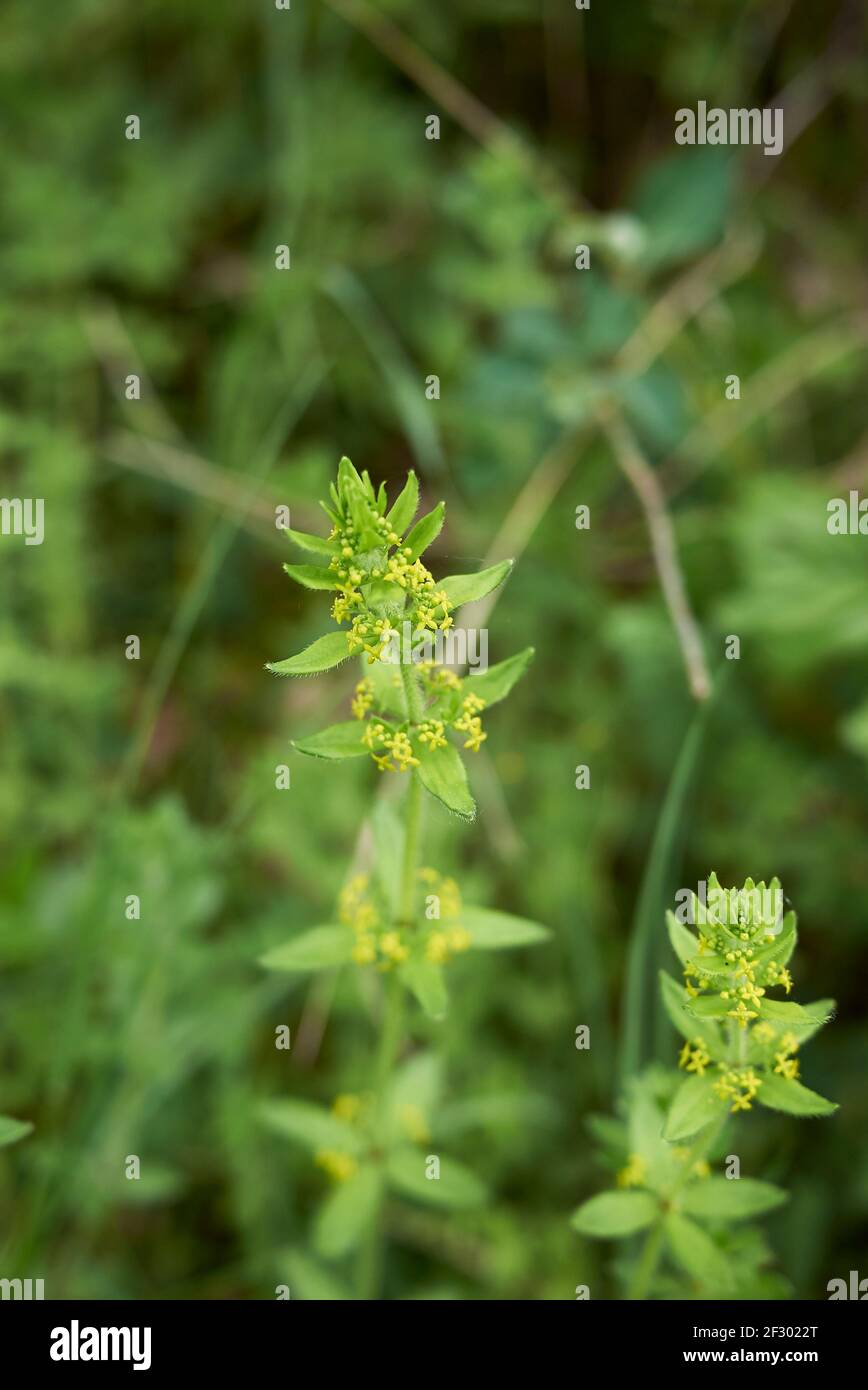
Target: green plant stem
<point x="412" y="822"/>
<point x="653" y="1245"/>
<point x="371" y="1259"/>
<point x="413" y="808"/>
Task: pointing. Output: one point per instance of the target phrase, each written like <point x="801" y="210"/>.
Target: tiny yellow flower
<point x="437" y="948"/>
<point x="413" y="1122"/>
<point x="459" y="939"/>
<point x="634" y="1173"/>
<point x="363" y="698"/>
<point x="339" y="1166"/>
<point x="392" y="947"/>
<point x="742" y="1014"/>
<point x="763" y="1033"/>
<point x="787" y="1067"/>
<point x="694" y="1059"/>
<point x="347" y="1107"/>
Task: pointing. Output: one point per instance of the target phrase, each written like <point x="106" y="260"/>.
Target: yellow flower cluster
<point x="355" y="908"/>
<point x="779" y="975"/>
<point x="738" y="1085"/>
<point x="786" y="1062"/>
<point x="340" y="1166"/>
<point x="470" y="723"/>
<point x="399" y="747"/>
<point x="438" y="676"/>
<point x="349" y="1107"/>
<point x="695" y="1058"/>
<point x="450" y="938"/>
<point x="749" y="978"/>
<point x="337" y="1163"/>
<point x="432" y="732"/>
<point x="442" y="944"/>
<point x="379" y="943"/>
<point x="363" y="698"/>
<point x="373" y="945"/>
<point x="634" y="1173"/>
<point x="699" y="1168"/>
<point x="429" y="608"/>
<point x="370" y="635"/>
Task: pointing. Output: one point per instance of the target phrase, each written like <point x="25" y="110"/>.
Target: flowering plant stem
<point x="371" y="1256"/>
<point x="652" y="1248"/>
<point x="401" y="919"/>
<point x="393" y="1011"/>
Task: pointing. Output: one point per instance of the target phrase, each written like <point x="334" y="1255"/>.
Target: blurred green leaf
<point x="730" y="1199"/>
<point x="319" y="948"/>
<point x="614" y="1215"/>
<point x="455" y="1188"/>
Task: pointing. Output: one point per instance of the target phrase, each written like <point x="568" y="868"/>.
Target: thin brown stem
<point x="646" y="485"/>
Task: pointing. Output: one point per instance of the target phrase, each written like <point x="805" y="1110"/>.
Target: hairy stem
<point x="413" y="817"/>
<point x="413" y="808"/>
<point x="371" y="1255"/>
<point x="371" y="1258"/>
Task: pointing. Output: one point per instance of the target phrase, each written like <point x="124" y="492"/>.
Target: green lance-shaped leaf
<point x="442" y="773"/>
<point x="683" y="942"/>
<point x="321" y="655"/>
<point x="347" y="1213"/>
<point x="792" y="1097"/>
<point x="796" y="1017"/>
<point x="349" y="477"/>
<point x="363" y="519"/>
<point x="426" y="530"/>
<point x="336" y="742"/>
<point x="694" y="1106"/>
<point x="312" y="576"/>
<point x="312" y="1126"/>
<point x="811" y="1019"/>
<point x="614" y="1215"/>
<point x="321" y="948"/>
<point x="426" y="982"/>
<point x="731" y="1199"/>
<point x="675" y="1002"/>
<point x="404" y="510"/>
<point x="496" y="931"/>
<point x="314" y="545"/>
<point x="778" y="948"/>
<point x="495" y="684"/>
<point x="456" y="1187"/>
<point x="467" y="588"/>
<point x="697" y="1253"/>
<point x="12" y="1130"/>
<point x="644" y="1032"/>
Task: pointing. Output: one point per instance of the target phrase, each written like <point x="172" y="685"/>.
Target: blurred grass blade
<point x="403" y="379"/>
<point x="642" y="1033"/>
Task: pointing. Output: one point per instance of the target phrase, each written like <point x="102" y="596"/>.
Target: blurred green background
<point x="412" y="257"/>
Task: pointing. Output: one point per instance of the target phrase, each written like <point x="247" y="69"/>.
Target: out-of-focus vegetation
<point x="155" y="777"/>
